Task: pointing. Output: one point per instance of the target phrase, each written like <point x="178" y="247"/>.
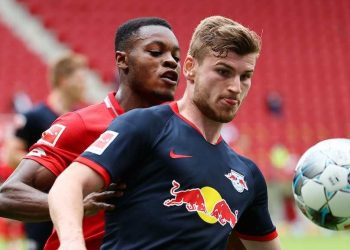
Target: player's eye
<point x="223" y="72"/>
<point x="246" y="77"/>
<point x="176" y="58"/>
<point x="155" y="53"/>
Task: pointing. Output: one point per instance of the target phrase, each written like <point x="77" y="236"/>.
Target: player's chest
<point x="213" y="171"/>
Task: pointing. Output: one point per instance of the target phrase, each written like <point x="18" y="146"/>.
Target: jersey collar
<point x="112" y="105"/>
<point x="175" y="108"/>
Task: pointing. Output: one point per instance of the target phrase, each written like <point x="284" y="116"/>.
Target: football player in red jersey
<point x="148" y="62"/>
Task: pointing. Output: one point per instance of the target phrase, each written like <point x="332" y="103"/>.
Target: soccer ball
<point x="321" y="184"/>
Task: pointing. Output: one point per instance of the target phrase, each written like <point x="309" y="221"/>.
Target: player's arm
<point x="235" y="243"/>
<point x="255" y="228"/>
<point x="262" y="245"/>
<point x="66" y="203"/>
<point x="24" y="194"/>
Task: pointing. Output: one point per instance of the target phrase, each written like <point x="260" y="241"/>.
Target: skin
<point x="216" y="87"/>
<point x="156" y="49"/>
<point x="143" y="69"/>
<point x="218" y="84"/>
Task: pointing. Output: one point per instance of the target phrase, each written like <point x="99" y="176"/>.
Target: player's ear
<point x="121" y="59"/>
<point x="189" y="68"/>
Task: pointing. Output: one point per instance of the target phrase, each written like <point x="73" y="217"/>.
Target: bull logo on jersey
<point x="237" y="180"/>
<point x="192" y="198"/>
<point x="51" y="136"/>
<point x="207" y="202"/>
<point x="105" y="139"/>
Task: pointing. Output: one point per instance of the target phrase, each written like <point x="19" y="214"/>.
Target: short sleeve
<point x="121" y="148"/>
<point x="255" y="223"/>
<point x="60" y="144"/>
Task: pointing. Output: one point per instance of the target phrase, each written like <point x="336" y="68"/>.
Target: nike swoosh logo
<point x="178" y="156"/>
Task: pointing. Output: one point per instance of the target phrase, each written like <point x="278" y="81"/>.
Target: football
<point x="321" y="184"/>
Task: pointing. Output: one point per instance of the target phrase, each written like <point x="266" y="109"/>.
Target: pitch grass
<point x="334" y="241"/>
<point x="313" y="241"/>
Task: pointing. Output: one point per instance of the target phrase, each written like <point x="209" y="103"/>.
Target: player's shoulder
<point x="70" y="125"/>
<point x="82" y="123"/>
<point x="253" y="167"/>
<point x="247" y="161"/>
<point x="81" y="116"/>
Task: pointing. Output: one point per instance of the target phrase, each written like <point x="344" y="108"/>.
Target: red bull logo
<point x="192" y="198"/>
<point x="237" y="180"/>
<point x="223" y="214"/>
<point x="206" y="201"/>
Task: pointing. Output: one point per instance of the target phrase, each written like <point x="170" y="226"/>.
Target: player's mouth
<point x="231" y="101"/>
<point x="170" y="77"/>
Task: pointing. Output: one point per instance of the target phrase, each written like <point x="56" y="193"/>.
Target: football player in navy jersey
<point x="186" y="188"/>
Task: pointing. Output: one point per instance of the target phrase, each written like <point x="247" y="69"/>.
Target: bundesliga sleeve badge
<point x="51" y="136"/>
<point x="100" y="145"/>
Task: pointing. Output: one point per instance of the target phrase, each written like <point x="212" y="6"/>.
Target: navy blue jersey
<point x="37" y="120"/>
<point x="182" y="192"/>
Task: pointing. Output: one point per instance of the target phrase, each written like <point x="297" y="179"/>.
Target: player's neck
<point x="128" y="99"/>
<point x="209" y="128"/>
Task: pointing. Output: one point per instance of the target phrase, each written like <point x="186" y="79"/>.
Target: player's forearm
<point x="21" y="202"/>
<point x="66" y="210"/>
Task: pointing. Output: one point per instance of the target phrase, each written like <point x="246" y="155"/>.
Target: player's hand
<point x="96" y="201"/>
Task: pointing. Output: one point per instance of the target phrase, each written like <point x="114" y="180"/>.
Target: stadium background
<point x="305" y="60"/>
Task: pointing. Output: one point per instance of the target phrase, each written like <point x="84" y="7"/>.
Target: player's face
<point x="154" y="64"/>
<point x="221" y="84"/>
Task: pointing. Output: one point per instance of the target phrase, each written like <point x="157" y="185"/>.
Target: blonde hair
<point x="222" y="35"/>
<point x="66" y="66"/>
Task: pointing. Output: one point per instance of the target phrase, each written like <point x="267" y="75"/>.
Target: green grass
<point x="312" y="238"/>
<point x="335" y="241"/>
<point x="332" y="241"/>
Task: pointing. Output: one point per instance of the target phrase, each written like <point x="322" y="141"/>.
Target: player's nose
<point x="235" y="84"/>
<point x="170" y="61"/>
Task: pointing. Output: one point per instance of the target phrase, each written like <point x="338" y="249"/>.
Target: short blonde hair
<point x="222" y="35"/>
<point x="65" y="66"/>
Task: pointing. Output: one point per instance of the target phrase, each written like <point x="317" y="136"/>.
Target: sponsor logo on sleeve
<point x="100" y="145"/>
<point x="51" y="136"/>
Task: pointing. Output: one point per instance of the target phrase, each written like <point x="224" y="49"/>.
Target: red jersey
<point x="64" y="141"/>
